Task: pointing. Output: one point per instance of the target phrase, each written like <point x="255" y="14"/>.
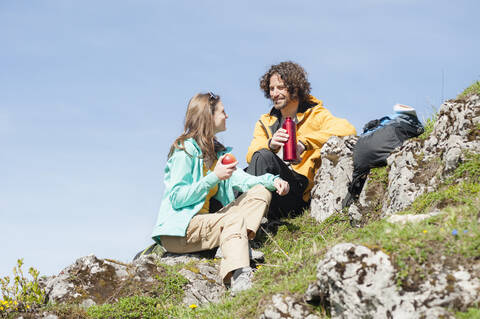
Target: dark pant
<point x="265" y="161"/>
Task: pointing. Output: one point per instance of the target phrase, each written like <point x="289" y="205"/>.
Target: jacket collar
<point x="228" y="149"/>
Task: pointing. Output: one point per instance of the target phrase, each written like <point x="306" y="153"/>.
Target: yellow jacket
<point x="315" y="126"/>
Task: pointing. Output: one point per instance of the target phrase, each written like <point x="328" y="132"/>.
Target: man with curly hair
<point x="286" y="85"/>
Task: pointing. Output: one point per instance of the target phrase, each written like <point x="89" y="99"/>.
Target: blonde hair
<point x="199" y="125"/>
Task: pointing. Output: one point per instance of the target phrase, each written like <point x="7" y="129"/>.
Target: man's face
<point x="278" y="92"/>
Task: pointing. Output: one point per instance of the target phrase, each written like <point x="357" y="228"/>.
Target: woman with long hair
<point x="195" y="174"/>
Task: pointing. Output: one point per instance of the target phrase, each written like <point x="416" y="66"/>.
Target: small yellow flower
<point x="1" y="308"/>
<point x="424" y="231"/>
<point x="27" y="306"/>
<point x="214" y="259"/>
<point x="259" y="266"/>
<point x="193" y="306"/>
<point x="442" y="229"/>
<point x="286" y="252"/>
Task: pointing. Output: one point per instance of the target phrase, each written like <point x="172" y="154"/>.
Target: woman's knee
<point x="260" y="192"/>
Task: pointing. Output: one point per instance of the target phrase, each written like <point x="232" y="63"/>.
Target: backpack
<point x="379" y="138"/>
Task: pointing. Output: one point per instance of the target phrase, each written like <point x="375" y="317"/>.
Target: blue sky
<point x="92" y="93"/>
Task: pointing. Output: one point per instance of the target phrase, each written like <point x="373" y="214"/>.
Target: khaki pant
<point x="230" y="228"/>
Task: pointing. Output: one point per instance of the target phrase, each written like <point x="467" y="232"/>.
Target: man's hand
<point x="278" y="139"/>
<point x="300" y="149"/>
<point x="282" y="186"/>
<point x="222" y="171"/>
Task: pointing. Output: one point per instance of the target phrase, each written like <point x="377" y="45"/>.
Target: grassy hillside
<point x="293" y="252"/>
<point x="472" y="89"/>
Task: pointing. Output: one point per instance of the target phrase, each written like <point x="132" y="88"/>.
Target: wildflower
<point x="27" y="306"/>
<point x="214" y="259"/>
<point x="425" y="231"/>
<point x="1" y="307"/>
<point x="454" y="232"/>
<point x="465" y="231"/>
<point x="193" y="306"/>
<point x="259" y="266"/>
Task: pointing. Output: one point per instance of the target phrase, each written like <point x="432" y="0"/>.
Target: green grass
<point x="472" y="313"/>
<point x="379" y="175"/>
<point x="428" y="126"/>
<point x="472" y="89"/>
<point x="160" y="304"/>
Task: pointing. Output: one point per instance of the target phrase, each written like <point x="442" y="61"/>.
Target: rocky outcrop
<point x="287" y="307"/>
<point x="331" y="181"/>
<point x="356" y="282"/>
<point x="91" y="280"/>
<point x="417" y="168"/>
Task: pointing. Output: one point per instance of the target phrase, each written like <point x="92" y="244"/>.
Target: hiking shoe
<point x="241" y="280"/>
<point x="155" y="249"/>
<point x="255" y="255"/>
<point x="218" y="253"/>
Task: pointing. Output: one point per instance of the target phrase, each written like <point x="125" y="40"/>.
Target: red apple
<point x="228" y="159"/>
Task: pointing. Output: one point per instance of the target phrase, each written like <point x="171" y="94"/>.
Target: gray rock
<point x="87" y="303"/>
<point x="413" y="168"/>
<point x="287" y="307"/>
<point x="360" y="283"/>
<point x="91" y="280"/>
<point x="332" y="178"/>
<point x="409" y="218"/>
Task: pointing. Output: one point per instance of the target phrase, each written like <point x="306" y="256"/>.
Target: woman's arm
<point x="184" y="191"/>
<point x="243" y="181"/>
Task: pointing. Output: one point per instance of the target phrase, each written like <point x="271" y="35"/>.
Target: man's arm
<point x="260" y="140"/>
<point x="321" y="125"/>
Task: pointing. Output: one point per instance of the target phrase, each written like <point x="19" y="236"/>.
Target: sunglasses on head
<point x="212" y="96"/>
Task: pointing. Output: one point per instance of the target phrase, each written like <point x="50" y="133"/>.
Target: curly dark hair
<point x="293" y="75"/>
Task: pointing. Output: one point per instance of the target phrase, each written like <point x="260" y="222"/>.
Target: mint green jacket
<point x="186" y="189"/>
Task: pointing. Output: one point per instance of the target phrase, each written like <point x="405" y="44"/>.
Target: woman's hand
<point x="282" y="186"/>
<point x="222" y="171"/>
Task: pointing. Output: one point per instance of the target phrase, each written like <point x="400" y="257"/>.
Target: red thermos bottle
<point x="290" y="146"/>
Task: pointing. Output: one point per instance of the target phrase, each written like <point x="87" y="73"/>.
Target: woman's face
<point x="219" y="118"/>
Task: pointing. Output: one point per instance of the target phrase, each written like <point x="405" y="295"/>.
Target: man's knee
<point x="264" y="155"/>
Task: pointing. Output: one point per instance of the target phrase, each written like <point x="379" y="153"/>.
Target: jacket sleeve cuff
<point x="211" y="179"/>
